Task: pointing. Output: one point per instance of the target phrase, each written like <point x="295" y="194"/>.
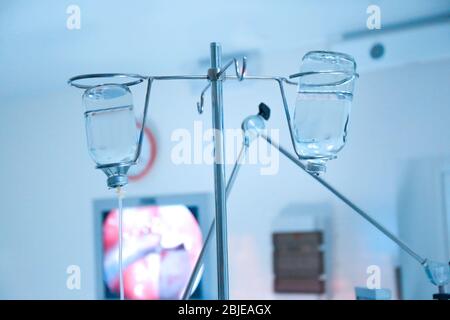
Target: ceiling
<point x="167" y="36"/>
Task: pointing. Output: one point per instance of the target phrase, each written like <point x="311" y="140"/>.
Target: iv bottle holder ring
<point x="131" y="79"/>
<point x="115" y="168"/>
<point x="346" y="77"/>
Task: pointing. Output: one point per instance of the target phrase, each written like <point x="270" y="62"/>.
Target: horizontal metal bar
<point x="205" y="77"/>
<point x="180" y="77"/>
<point x="253" y="78"/>
<point x="273" y="78"/>
<point x="141" y="78"/>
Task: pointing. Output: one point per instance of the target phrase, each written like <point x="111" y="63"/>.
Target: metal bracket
<point x="214" y="74"/>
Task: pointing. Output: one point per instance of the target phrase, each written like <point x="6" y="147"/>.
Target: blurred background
<point x="396" y="163"/>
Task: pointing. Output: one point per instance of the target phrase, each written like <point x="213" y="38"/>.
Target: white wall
<point x="49" y="183"/>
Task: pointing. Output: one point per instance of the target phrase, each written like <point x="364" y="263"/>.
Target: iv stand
<point x="116" y="172"/>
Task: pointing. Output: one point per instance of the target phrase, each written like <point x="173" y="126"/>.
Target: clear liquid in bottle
<point x="111" y="134"/>
<point x="320" y="123"/>
<point x="110" y="124"/>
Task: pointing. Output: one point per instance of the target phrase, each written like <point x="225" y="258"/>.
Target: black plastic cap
<point x="264" y="111"/>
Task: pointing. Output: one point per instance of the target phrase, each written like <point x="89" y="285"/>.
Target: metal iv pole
<point x="214" y="76"/>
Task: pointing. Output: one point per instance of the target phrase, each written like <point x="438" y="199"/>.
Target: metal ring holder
<point x="138" y="79"/>
<point x="348" y="76"/>
<point x="135" y="79"/>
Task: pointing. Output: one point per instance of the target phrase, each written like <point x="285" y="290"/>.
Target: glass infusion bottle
<point x="110" y="124"/>
<point x="322" y="108"/>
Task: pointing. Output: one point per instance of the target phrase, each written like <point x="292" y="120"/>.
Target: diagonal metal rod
<point x="144" y="119"/>
<point x="236" y="167"/>
<point x="291" y="157"/>
<point x="358" y="210"/>
<point x="199" y="263"/>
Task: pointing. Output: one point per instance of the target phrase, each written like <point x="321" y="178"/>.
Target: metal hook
<point x="200" y="104"/>
<point x="240" y="74"/>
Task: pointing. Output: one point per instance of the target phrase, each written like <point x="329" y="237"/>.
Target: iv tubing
<point x="120" y="218"/>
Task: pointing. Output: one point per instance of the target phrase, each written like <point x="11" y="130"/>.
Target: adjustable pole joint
<point x="214" y="74"/>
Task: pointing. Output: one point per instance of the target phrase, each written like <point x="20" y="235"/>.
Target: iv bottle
<point x="322" y="108"/>
<point x="110" y="124"/>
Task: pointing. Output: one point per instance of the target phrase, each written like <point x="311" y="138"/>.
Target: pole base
<point x="441" y="296"/>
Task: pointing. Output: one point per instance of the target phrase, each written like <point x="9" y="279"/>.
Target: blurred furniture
<point x="302" y="250"/>
<point x="298" y="262"/>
